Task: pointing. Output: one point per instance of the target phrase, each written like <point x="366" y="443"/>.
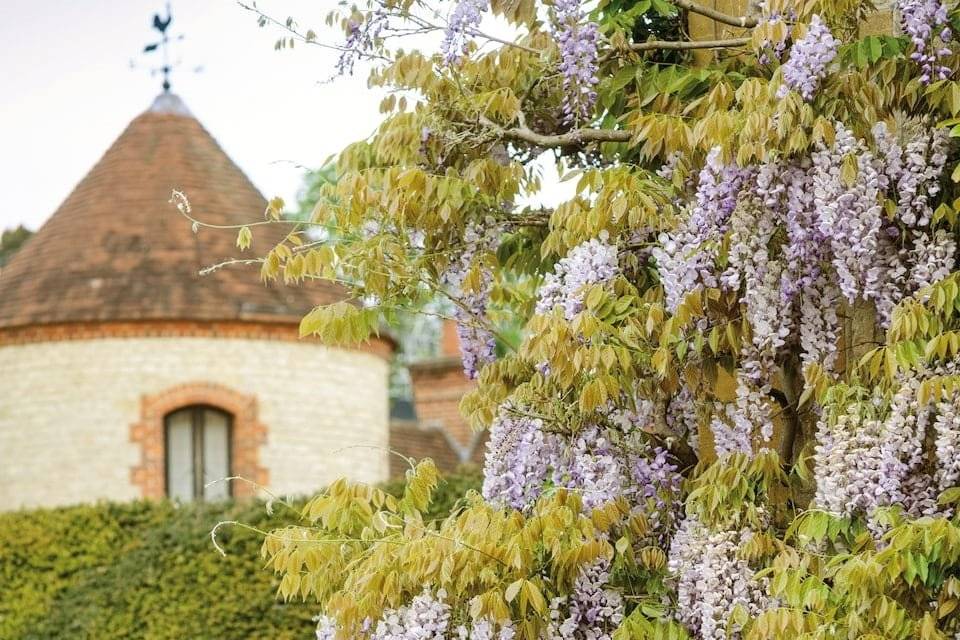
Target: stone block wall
<point x="69" y="411"/>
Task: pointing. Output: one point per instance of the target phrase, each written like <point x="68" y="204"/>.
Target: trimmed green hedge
<point x="149" y="570"/>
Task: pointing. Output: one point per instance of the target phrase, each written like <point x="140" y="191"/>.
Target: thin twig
<point x="473" y="32"/>
<point x="312" y="41"/>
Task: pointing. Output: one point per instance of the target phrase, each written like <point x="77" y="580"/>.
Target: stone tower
<point x="125" y="374"/>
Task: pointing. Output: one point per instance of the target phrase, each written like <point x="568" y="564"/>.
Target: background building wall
<point x="66" y="410"/>
<point x="703" y="28"/>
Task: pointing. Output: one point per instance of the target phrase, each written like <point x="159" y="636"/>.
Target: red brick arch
<point x="248" y="435"/>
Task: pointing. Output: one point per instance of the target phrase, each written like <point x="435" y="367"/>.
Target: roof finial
<point x="162" y="25"/>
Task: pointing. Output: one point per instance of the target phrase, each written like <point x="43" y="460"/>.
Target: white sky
<point x="67" y="91"/>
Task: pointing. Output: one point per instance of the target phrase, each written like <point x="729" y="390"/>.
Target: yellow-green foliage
<point x="149" y="570"/>
<point x="139" y="570"/>
<point x="455" y="152"/>
<point x="361" y="551"/>
<point x="832" y="581"/>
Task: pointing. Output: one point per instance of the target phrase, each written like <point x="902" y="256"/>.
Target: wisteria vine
<point x="786" y="240"/>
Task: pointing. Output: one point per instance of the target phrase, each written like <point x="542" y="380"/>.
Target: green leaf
<point x="513" y="590"/>
<point x="244" y="238"/>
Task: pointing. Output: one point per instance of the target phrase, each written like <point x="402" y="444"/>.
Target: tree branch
<point x="685" y="45"/>
<point x="793" y="384"/>
<point x="713" y="14"/>
<point x="531" y="218"/>
<point x="575" y="137"/>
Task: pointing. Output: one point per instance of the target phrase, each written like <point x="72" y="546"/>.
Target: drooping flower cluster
<point x="819" y="325"/>
<point x="735" y="426"/>
<point x="850" y="212"/>
<point x="591" y="467"/>
<point x="517" y="461"/>
<point x="933" y="258"/>
<point x="522" y="459"/>
<point x="477" y="344"/>
<point x="848" y="461"/>
<point x="593" y="262"/>
<point x="362" y="35"/>
<point x="913" y="170"/>
<point x="686" y="258"/>
<point x="947" y="444"/>
<point x="760" y="274"/>
<point x="774" y="21"/>
<point x="463" y="21"/>
<point x="657" y="483"/>
<point x="754" y="270"/>
<point x="656" y="478"/>
<point x="592" y="611"/>
<point x="326" y="627"/>
<point x="875" y="454"/>
<point x="578" y="41"/>
<point x="427" y="617"/>
<point x="786" y="193"/>
<point x="809" y="58"/>
<point x="924" y="21"/>
<point x="902" y="479"/>
<point x="711" y="579"/>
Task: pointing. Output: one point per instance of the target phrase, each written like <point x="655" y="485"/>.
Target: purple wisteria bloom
<point x="362" y="34"/>
<point x="593" y="610"/>
<point x="517" y="461"/>
<point x="578" y="41"/>
<point x="687" y="255"/>
<point x="591" y="467"/>
<point x="809" y="58"/>
<point x="484" y="629"/>
<point x="593" y="262"/>
<point x="425" y="618"/>
<point x="712" y="580"/>
<point x="477" y="344"/>
<point x="463" y="21"/>
<point x="924" y="21"/>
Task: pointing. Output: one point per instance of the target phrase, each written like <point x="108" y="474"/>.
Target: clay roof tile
<point x="117" y="249"/>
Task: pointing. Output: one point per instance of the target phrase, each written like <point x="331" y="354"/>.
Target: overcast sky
<point x="67" y="91"/>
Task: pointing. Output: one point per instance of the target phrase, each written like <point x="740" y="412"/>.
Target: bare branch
<point x="575" y="137"/>
<point x="713" y="14"/>
<point x="793" y="386"/>
<point x="686" y="45"/>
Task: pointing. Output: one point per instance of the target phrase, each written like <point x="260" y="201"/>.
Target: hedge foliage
<point x="148" y="570"/>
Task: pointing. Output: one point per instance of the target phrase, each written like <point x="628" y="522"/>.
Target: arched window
<point x="197" y="453"/>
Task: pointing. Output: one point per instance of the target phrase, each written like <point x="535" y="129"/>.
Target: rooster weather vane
<point x="162" y="25"/>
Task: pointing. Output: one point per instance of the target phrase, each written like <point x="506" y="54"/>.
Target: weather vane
<point x="163" y="25"/>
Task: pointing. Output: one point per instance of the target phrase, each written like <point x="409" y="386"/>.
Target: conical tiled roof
<point x="116" y="249"/>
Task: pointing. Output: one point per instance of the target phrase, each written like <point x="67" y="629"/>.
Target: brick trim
<point x="249" y="434"/>
<point x="382" y="347"/>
